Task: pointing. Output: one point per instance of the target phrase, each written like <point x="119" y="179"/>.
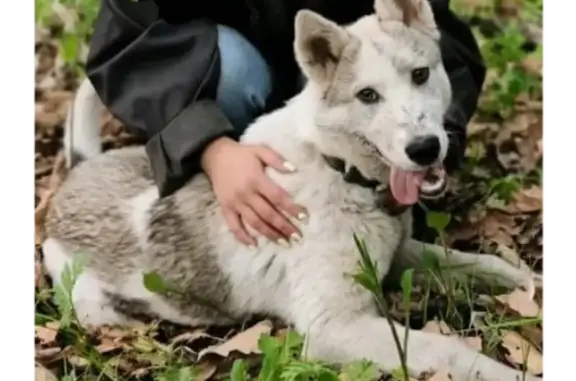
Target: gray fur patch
<point x="91" y="215"/>
<point x="180" y="250"/>
<point x="132" y="308"/>
<point x="85" y="213"/>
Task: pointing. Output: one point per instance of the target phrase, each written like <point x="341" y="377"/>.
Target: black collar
<point x="384" y="198"/>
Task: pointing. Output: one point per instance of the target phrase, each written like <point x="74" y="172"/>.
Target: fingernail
<point x="289" y="166"/>
<point x="282" y="242"/>
<point x="252" y="247"/>
<point x="302" y="217"/>
<point x="295" y="237"/>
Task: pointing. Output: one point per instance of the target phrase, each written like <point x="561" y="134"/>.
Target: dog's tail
<point x="82" y="138"/>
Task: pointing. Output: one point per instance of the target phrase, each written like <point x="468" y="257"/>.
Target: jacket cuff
<point x="176" y="150"/>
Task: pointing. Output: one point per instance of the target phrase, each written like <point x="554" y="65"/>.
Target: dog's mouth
<point x="409" y="186"/>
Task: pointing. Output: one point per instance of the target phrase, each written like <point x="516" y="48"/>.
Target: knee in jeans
<point x="245" y="80"/>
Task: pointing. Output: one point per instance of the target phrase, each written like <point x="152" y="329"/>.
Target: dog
<point x="374" y="102"/>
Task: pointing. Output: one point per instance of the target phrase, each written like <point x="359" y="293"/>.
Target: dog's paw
<point x="508" y="275"/>
<point x="432" y="352"/>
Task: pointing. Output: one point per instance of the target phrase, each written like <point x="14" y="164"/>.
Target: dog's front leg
<point x="342" y="324"/>
<point x="489" y="269"/>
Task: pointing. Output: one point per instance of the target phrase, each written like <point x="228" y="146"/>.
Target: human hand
<point x="247" y="195"/>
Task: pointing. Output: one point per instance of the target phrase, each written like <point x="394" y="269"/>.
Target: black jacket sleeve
<point x="465" y="66"/>
<point x="160" y="79"/>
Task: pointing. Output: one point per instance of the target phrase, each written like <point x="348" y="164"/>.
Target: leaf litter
<point x="502" y="219"/>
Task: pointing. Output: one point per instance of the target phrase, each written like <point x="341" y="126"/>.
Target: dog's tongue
<point x="405" y="185"/>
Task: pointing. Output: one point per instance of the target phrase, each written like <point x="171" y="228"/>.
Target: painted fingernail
<point x="282" y="242"/>
<point x="295" y="237"/>
<point x="289" y="166"/>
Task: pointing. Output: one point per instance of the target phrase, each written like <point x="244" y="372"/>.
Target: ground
<point x="494" y="205"/>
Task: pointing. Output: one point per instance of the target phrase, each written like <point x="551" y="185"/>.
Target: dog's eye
<point x="368" y="96"/>
<point x="420" y="75"/>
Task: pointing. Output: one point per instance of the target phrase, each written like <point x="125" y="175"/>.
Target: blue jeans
<point x="245" y="79"/>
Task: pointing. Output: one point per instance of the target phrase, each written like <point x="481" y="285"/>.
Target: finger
<point x="273" y="159"/>
<point x="251" y="217"/>
<point x="281" y="199"/>
<point x="274" y="218"/>
<point x="237" y="228"/>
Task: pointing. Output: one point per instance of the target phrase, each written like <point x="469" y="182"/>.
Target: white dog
<point x="375" y="100"/>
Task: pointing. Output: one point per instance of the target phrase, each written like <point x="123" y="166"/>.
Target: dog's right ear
<point x="318" y="45"/>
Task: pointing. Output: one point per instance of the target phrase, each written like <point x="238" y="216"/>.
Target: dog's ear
<point x="414" y="13"/>
<point x="318" y="45"/>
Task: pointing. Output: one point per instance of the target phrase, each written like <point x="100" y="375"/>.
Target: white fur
<point x="306" y="284"/>
<point x="83" y="136"/>
<point x="138" y="208"/>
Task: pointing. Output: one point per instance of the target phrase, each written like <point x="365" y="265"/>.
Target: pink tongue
<point x="405" y="186"/>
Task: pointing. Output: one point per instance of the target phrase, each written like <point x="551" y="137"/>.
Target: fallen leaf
<point x="520" y="302"/>
<point x="40" y="281"/>
<point x="526" y="200"/>
<point x="43" y="374"/>
<point x="190" y="337"/>
<point x="540" y="146"/>
<point x="205" y="371"/>
<point x="46" y="335"/>
<point x="107" y="345"/>
<point x="245" y="342"/>
<point x="498" y="227"/>
<point x="47" y="355"/>
<point x="522" y="352"/>
<point x="533" y="334"/>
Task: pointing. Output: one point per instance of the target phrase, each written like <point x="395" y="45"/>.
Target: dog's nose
<point x="424" y="150"/>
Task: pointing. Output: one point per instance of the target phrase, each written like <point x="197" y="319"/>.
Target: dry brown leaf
<point x="47" y="355"/>
<point x="205" y="371"/>
<point x="499" y="228"/>
<point x="520" y="302"/>
<point x="43" y="374"/>
<point x="527" y="200"/>
<point x="190" y="337"/>
<point x="113" y="332"/>
<point x="522" y="352"/>
<point x="533" y="334"/>
<point x="107" y="345"/>
<point x="40" y="281"/>
<point x="245" y="342"/>
<point x="533" y="64"/>
<point x="540" y="147"/>
<point x="46" y="335"/>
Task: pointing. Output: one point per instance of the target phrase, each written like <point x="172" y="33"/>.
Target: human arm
<point x="160" y="79"/>
<point x="157" y="70"/>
